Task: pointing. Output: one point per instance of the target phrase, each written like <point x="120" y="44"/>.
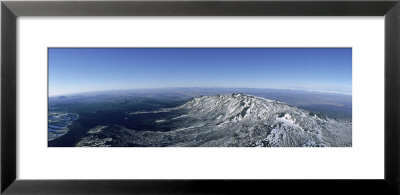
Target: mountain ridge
<point x="239" y="120"/>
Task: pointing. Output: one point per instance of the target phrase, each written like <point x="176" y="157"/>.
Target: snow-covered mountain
<point x="242" y="120"/>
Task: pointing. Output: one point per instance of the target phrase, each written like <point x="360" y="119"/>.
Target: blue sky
<point x="73" y="70"/>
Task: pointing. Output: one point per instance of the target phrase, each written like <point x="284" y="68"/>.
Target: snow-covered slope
<point x="243" y="120"/>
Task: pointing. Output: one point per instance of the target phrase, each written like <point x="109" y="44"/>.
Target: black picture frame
<point x="11" y="10"/>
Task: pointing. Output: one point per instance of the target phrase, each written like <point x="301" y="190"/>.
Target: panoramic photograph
<point x="199" y="97"/>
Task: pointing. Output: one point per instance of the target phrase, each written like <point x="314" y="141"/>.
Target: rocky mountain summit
<point x="237" y="120"/>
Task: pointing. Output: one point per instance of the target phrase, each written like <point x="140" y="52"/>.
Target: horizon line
<point x="104" y="90"/>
